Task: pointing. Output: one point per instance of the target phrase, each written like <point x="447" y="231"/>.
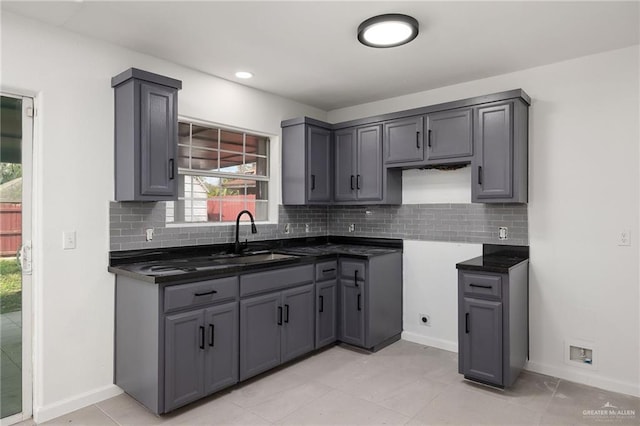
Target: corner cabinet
<point x="146" y="136"/>
<point x="500" y="171"/>
<point x="307" y="156"/>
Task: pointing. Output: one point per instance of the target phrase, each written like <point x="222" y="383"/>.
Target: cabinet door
<point x="184" y="358"/>
<point x="158" y="140"/>
<point x="369" y="155"/>
<point x="221" y="355"/>
<point x="404" y="140"/>
<point x="345" y="164"/>
<point x="482" y="340"/>
<point x="298" y="328"/>
<point x="450" y="135"/>
<point x="352" y="312"/>
<point x="260" y="323"/>
<point x="318" y="164"/>
<point x="492" y="175"/>
<point x="326" y="313"/>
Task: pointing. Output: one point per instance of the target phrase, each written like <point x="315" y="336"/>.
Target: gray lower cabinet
<point x="326" y="303"/>
<point x="370" y="301"/>
<point x="500" y="172"/>
<point x="146" y="136"/>
<point x="404" y="141"/>
<point x="493" y="324"/>
<point x="307" y="163"/>
<point x="201" y="353"/>
<point x="449" y="137"/>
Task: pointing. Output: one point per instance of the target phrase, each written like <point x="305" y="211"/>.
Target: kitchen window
<point x="220" y="173"/>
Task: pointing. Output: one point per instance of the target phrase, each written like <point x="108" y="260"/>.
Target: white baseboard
<point x="585" y="378"/>
<point x="60" y="408"/>
<point x="447" y="345"/>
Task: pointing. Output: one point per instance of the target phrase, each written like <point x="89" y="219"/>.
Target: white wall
<point x="584" y="188"/>
<point x="74" y="293"/>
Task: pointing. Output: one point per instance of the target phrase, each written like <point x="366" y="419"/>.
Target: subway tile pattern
<point x="470" y="223"/>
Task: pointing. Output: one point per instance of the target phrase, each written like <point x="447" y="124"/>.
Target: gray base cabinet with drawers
<point x="493" y="325"/>
<point x="370" y="301"/>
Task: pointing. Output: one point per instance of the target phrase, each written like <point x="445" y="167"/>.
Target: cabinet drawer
<point x="326" y="270"/>
<point x="481" y="285"/>
<point x="349" y="268"/>
<point x="200" y="293"/>
<point x="260" y="282"/>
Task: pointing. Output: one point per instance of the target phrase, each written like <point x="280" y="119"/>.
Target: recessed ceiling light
<point x="390" y="30"/>
<point x="244" y="74"/>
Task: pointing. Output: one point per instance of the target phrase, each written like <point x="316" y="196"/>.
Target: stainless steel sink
<point x="255" y="258"/>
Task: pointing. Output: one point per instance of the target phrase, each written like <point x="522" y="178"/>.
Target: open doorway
<point x="16" y="131"/>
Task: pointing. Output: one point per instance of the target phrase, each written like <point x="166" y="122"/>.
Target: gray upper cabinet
<point x="403" y="141"/>
<point x="346" y="165"/>
<point x="307" y="171"/>
<point x="369" y="163"/>
<point x="146" y="136"/>
<point x="449" y="137"/>
<point x="500" y="173"/>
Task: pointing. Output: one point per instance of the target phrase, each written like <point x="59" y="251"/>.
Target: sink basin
<point x="255" y="258"/>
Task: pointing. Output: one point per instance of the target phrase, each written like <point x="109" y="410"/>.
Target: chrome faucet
<point x="237" y="247"/>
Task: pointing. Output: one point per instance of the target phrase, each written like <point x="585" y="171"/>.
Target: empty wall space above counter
<point x="360" y="161"/>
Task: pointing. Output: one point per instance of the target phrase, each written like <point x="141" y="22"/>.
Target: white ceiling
<point x="308" y="51"/>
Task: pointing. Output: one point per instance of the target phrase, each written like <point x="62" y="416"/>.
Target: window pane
<point x="203" y="159"/>
<point x="256" y="145"/>
<point x="204" y="137"/>
<point x="256" y="166"/>
<point x="184" y="136"/>
<point x="231" y="141"/>
<point x="183" y="156"/>
<point x="261" y="211"/>
<point x="230" y="162"/>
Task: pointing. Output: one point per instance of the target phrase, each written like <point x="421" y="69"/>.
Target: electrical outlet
<point x="624" y="238"/>
<point x="69" y="240"/>
<point x="503" y="233"/>
<point x="352" y="227"/>
<point x="307" y="227"/>
<point x="287" y="228"/>
<point x="425" y="320"/>
<point x="149" y="234"/>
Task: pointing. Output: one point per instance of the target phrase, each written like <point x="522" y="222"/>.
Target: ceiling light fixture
<point x="244" y="74"/>
<point x="390" y="30"/>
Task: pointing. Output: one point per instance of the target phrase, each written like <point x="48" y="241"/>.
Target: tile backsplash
<point x="471" y="223"/>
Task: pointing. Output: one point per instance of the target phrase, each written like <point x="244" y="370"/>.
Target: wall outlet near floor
<point x="503" y="233"/>
<point x="307" y="227"/>
<point x="149" y="233"/>
<point x="624" y="238"/>
<point x="580" y="353"/>
<point x="287" y="228"/>
<point x="69" y="240"/>
<point x="352" y="227"/>
<point x="425" y="319"/>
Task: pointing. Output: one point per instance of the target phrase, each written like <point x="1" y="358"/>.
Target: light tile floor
<point x="405" y="383"/>
<point x="10" y="363"/>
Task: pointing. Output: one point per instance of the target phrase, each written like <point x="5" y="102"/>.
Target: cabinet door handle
<point x="352" y="188"/>
<point x="286" y="313"/>
<point x="211" y="335"/>
<point x="205" y="293"/>
<point x="313" y="182"/>
<point x="355" y="277"/>
<point x="358" y="182"/>
<point x="429" y="138"/>
<point x="359" y="307"/>
<point x="418" y="139"/>
<point x="321" y="303"/>
<point x="279" y="315"/>
<point x="480" y="285"/>
<point x="201" y="337"/>
<point x="479" y="175"/>
<point x="466" y="322"/>
<point x="171" y="169"/>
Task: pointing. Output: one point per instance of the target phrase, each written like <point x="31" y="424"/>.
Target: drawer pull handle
<point x="206" y="293"/>
<point x="211" y="335"/>
<point x="321" y="303"/>
<point x="324" y="271"/>
<point x="466" y="322"/>
<point x="480" y="286"/>
<point x="359" y="307"/>
<point x="201" y="337"/>
<point x="279" y="315"/>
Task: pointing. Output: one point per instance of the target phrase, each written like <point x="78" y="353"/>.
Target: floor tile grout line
<point x="107" y="414"/>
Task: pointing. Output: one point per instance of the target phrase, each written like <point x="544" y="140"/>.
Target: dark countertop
<point x="496" y="258"/>
<point x="168" y="266"/>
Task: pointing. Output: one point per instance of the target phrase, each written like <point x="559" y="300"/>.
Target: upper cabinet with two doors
<point x="360" y="162"/>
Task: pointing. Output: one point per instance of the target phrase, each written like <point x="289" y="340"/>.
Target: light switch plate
<point x="69" y="240"/>
<point x="624" y="238"/>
